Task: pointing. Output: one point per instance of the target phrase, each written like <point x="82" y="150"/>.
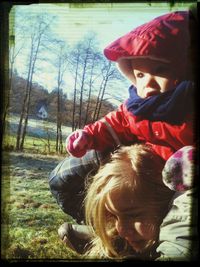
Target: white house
<point x="42" y="113"/>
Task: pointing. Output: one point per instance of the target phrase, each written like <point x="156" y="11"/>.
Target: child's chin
<point x="138" y="247"/>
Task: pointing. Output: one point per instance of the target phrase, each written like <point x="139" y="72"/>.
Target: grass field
<point x="40" y="137"/>
<point x="31" y="144"/>
<point x="30" y="215"/>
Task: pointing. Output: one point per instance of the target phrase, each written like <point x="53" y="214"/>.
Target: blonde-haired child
<point x="137" y="209"/>
<point x="125" y="204"/>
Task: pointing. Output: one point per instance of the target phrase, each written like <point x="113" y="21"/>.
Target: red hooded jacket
<point x="164" y="138"/>
<point x="165" y="38"/>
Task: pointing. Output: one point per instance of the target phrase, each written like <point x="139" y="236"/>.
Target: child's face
<point x="153" y="77"/>
<point x="136" y="221"/>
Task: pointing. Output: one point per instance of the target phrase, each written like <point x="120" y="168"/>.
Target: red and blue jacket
<point x="172" y="131"/>
<point x="165" y="122"/>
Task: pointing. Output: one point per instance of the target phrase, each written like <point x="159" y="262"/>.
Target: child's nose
<point x="125" y="230"/>
<point x="121" y="228"/>
<point x="150" y="81"/>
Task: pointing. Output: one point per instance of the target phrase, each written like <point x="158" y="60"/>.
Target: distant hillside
<point x="40" y="96"/>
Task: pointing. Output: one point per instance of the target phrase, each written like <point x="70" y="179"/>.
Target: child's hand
<point x="178" y="171"/>
<point x="77" y="143"/>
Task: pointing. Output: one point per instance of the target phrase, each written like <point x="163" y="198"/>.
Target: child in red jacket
<point x="155" y="57"/>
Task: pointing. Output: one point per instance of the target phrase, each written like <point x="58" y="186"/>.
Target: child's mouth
<point x="152" y="93"/>
<point x="137" y="246"/>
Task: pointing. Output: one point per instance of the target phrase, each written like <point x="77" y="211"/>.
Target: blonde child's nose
<point x="124" y="229"/>
<point x="121" y="228"/>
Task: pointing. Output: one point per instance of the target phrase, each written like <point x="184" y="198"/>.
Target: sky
<point x="109" y="21"/>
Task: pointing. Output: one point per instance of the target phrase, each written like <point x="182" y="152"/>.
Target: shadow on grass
<point x="30" y="214"/>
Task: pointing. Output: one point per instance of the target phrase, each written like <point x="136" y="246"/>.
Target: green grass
<point x="31" y="144"/>
<point x="36" y="136"/>
<point x="30" y="215"/>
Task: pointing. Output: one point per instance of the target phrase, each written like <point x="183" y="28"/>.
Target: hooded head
<point x="165" y="38"/>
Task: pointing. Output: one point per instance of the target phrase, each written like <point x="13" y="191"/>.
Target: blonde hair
<point x="131" y="165"/>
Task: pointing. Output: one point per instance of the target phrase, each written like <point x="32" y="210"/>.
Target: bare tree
<point x="91" y="80"/>
<point x="14" y="51"/>
<point x="38" y="28"/>
<point x="75" y="92"/>
<point x="61" y="65"/>
<point x="108" y="73"/>
<point x="84" y="59"/>
<point x="74" y="61"/>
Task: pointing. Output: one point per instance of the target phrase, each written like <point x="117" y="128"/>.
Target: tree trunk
<point x="82" y="87"/>
<point x="74" y="101"/>
<point x="22" y="115"/>
<point x="101" y="100"/>
<point x="97" y="102"/>
<point x="90" y="91"/>
<point x="29" y="87"/>
<point x="26" y="118"/>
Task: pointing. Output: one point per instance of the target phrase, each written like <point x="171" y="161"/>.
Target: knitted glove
<point x="78" y="142"/>
<point x="178" y="171"/>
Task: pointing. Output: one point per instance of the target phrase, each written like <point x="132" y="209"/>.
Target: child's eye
<point x="110" y="215"/>
<point x="161" y="70"/>
<point x="140" y="75"/>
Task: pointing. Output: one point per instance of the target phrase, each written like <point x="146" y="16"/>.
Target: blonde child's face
<point x="135" y="221"/>
<point x="153" y="77"/>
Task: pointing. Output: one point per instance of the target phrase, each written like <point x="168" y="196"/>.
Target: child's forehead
<point x="125" y="199"/>
<point x="121" y="199"/>
<point x="153" y="66"/>
<point x="146" y="62"/>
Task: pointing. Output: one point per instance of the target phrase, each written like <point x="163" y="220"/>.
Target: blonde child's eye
<point x="110" y="215"/>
